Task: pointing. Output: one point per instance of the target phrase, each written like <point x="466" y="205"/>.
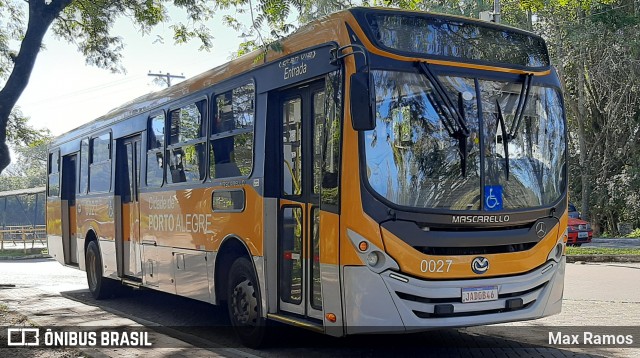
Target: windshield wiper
<point x="453" y="119"/>
<point x="505" y="138"/>
<point x="522" y="100"/>
<point x="517" y="119"/>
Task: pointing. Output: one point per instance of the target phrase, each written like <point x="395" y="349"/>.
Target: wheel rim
<point x="244" y="304"/>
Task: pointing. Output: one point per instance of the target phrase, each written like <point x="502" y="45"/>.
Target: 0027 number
<point x="435" y="265"/>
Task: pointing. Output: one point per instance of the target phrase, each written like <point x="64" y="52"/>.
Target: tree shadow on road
<point x="207" y="326"/>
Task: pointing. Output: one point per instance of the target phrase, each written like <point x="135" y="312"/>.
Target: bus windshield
<point x="412" y="161"/>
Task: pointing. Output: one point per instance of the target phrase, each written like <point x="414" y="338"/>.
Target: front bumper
<point x="392" y="302"/>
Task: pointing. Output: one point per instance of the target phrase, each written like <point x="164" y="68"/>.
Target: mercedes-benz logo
<point x="480" y="265"/>
<point x="541" y="229"/>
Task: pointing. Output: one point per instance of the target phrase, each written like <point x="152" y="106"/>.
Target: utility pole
<point x="493" y="16"/>
<point x="165" y="77"/>
<point x="496" y="11"/>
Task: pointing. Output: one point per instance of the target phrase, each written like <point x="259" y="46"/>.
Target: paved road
<point x="595" y="295"/>
<point x="619" y="243"/>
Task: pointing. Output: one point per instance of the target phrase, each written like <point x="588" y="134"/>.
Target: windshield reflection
<point x="413" y="161"/>
<point x="535" y="151"/>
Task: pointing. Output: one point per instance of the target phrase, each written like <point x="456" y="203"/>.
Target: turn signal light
<point x="363" y="246"/>
<point x="331" y="317"/>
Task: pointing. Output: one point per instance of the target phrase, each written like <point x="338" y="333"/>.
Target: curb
<point x="603" y="258"/>
<point x="27" y="257"/>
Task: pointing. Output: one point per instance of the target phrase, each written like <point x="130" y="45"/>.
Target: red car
<point x="579" y="232"/>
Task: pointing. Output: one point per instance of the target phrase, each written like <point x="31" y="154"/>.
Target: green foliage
<point x="572" y="251"/>
<point x="29" y="168"/>
<point x="595" y="46"/>
<point x="88" y="24"/>
<point x="11" y="29"/>
<point x="634" y="234"/>
<point x="19" y="132"/>
<point x="311" y="10"/>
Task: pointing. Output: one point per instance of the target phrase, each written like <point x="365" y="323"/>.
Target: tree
<point x="88" y="24"/>
<point x="30" y="168"/>
<point x="30" y="146"/>
<point x="596" y="47"/>
<point x="19" y="132"/>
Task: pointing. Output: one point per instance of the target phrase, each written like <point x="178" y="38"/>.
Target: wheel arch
<point x="231" y="249"/>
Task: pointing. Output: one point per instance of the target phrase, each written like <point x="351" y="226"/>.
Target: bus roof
<point x="316" y="32"/>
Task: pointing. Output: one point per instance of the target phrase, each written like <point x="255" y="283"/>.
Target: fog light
<point x="372" y="259"/>
<point x="559" y="249"/>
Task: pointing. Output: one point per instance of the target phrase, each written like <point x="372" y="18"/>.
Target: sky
<point x="64" y="93"/>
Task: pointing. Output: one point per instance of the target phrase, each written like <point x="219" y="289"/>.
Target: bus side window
<point x="83" y="182"/>
<point x="232" y="133"/>
<point x="54" y="173"/>
<point x="187" y="144"/>
<point x="155" y="151"/>
<point x="100" y="163"/>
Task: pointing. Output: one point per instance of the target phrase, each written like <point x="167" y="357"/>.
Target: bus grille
<point x="478" y="250"/>
<point x="523" y="295"/>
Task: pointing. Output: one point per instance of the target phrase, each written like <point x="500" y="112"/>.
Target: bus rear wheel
<point x="100" y="287"/>
<point x="244" y="304"/>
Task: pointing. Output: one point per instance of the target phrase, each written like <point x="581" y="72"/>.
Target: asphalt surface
<point x="52" y="295"/>
<point x="613" y="242"/>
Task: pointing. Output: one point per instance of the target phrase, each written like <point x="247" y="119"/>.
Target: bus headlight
<point x="372" y="258"/>
<point x="371" y="255"/>
<point x="558" y="250"/>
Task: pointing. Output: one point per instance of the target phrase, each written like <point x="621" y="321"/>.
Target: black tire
<point x="244" y="304"/>
<point x="100" y="287"/>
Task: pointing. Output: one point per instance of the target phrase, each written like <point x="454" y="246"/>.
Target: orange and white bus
<point x="384" y="171"/>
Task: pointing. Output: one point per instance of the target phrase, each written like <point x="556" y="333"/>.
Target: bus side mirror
<point x="362" y="117"/>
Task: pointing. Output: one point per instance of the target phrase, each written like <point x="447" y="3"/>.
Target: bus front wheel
<point x="100" y="287"/>
<point x="244" y="303"/>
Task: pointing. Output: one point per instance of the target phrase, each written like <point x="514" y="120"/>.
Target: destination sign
<point x="297" y="67"/>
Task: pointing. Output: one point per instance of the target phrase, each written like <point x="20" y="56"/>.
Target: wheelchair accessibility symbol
<point x="493" y="197"/>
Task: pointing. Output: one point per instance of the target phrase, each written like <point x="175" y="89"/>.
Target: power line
<point x="166" y="77"/>
<point x="84" y="91"/>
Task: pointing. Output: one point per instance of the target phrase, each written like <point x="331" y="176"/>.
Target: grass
<point x="634" y="234"/>
<point x="602" y="251"/>
<point x="20" y="252"/>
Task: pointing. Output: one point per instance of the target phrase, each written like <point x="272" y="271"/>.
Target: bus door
<point x="68" y="196"/>
<point x="128" y="250"/>
<point x="298" y="217"/>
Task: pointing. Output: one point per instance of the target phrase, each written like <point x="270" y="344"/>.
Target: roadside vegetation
<point x="634" y="234"/>
<point x="572" y="251"/>
<point x="14" y="253"/>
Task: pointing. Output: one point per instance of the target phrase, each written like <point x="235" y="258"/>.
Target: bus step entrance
<point x="132" y="282"/>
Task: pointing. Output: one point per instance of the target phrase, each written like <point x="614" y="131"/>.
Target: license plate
<point x="479" y="294"/>
<point x="583" y="234"/>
